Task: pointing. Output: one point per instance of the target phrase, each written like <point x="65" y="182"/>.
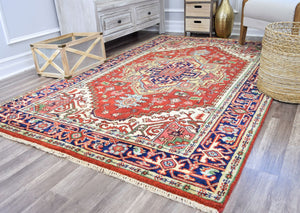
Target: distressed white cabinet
<point x="114" y="18"/>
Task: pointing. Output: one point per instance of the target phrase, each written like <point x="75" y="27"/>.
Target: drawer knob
<point x="198" y="6"/>
<point x="119" y="21"/>
<point x="197" y="22"/>
<point x="149" y="13"/>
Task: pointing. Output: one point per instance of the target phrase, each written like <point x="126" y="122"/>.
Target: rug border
<point x="127" y="176"/>
<point x="132" y="178"/>
<point x="246" y="156"/>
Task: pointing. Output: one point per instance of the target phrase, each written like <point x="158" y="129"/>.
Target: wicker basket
<point x="279" y="74"/>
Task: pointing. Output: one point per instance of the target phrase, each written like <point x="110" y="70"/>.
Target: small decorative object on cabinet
<point x="224" y="19"/>
<point x="68" y="55"/>
<point x="114" y="18"/>
<point x="199" y="16"/>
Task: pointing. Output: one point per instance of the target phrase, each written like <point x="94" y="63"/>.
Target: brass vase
<point x="224" y="19"/>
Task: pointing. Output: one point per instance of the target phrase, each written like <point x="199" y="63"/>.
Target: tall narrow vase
<point x="224" y="19"/>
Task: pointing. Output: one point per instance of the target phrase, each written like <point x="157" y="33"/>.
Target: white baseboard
<point x="16" y="64"/>
<point x="174" y="26"/>
<point x="250" y="31"/>
<point x="171" y="26"/>
<point x="178" y="27"/>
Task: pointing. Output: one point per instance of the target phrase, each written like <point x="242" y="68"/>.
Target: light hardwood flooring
<point x="35" y="181"/>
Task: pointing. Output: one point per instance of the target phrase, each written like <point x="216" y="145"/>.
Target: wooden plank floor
<point x="35" y="181"/>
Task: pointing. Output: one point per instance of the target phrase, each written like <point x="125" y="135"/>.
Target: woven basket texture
<point x="279" y="74"/>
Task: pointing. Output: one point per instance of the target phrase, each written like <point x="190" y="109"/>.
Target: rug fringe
<point x="117" y="175"/>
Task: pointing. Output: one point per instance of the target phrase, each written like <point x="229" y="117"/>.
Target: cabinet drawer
<point x="147" y="13"/>
<point x="197" y="25"/>
<point x="113" y="23"/>
<point x="198" y="9"/>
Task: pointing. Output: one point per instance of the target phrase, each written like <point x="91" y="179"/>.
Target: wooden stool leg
<point x="296" y="26"/>
<point x="243" y="30"/>
<point x="297" y="13"/>
<point x="243" y="33"/>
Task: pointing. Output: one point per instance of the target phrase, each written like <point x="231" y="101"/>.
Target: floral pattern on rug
<point x="177" y="113"/>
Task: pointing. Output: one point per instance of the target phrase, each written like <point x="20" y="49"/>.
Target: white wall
<point x="23" y="22"/>
<point x="174" y="15"/>
<point x="237" y="7"/>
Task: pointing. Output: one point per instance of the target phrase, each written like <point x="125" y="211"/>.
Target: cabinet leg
<point x="162" y="28"/>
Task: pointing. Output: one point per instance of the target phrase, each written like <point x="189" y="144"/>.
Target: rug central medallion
<point x="164" y="80"/>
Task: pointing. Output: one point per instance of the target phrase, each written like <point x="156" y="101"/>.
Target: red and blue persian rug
<point x="176" y="115"/>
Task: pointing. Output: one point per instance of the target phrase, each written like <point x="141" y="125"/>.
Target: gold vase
<point x="224" y="19"/>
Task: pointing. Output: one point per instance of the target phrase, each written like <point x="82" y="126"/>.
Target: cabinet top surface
<point x="104" y="5"/>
